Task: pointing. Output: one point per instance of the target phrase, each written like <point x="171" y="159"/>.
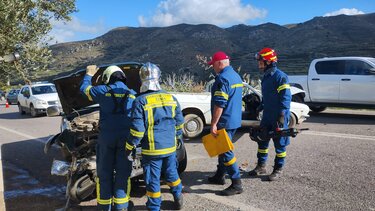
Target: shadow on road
<point x="28" y="184"/>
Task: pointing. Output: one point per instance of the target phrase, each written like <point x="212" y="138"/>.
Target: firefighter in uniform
<point x="226" y="109"/>
<point x="115" y="100"/>
<point x="156" y="123"/>
<point x="276" y="112"/>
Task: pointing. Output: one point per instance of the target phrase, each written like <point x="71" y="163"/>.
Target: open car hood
<point x="68" y="86"/>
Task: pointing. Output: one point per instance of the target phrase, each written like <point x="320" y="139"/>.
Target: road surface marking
<point x="339" y="135"/>
<point x="23" y="135"/>
<point x="2" y="196"/>
<point x="221" y="199"/>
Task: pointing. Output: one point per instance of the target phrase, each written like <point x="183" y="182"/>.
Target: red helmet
<point x="266" y="54"/>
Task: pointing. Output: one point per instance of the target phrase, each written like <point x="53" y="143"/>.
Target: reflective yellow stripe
<point x="273" y="58"/>
<point x="128" y="146"/>
<point x="160" y="104"/>
<point x="236" y="86"/>
<point x="175" y="183"/>
<point x="98" y="199"/>
<point x="267" y="53"/>
<point x="231" y="162"/>
<point x="121" y="200"/>
<point x="159" y="98"/>
<point x="119" y="95"/>
<point x="179" y="127"/>
<point x="159" y="151"/>
<point x="153" y="194"/>
<point x="150" y="129"/>
<point x="136" y="133"/>
<point x="87" y="92"/>
<point x="173" y="110"/>
<point x="221" y="94"/>
<point x="281" y="155"/>
<point x="264" y="151"/>
<point x="129" y="188"/>
<point x="282" y="87"/>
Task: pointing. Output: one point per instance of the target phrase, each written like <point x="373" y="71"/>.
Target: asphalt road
<point x="329" y="167"/>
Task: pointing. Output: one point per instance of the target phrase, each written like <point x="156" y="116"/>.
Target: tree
<point x="24" y="27"/>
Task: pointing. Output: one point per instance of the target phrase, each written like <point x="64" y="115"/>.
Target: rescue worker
<point x="156" y="123"/>
<point x="226" y="110"/>
<point x="276" y="111"/>
<point x="115" y="100"/>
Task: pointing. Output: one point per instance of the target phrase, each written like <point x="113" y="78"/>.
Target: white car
<point x="197" y="113"/>
<point x="36" y="98"/>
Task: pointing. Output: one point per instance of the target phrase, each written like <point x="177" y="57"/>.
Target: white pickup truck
<point x="339" y="82"/>
<point x="197" y="111"/>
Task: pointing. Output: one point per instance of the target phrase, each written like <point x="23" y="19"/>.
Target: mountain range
<point x="177" y="48"/>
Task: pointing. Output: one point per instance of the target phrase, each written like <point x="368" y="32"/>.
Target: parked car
<point x="12" y="96"/>
<point x="196" y="109"/>
<point x="338" y="81"/>
<point x="79" y="133"/>
<point x="36" y="98"/>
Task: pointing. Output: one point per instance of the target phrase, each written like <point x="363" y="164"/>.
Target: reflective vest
<point x="156" y="122"/>
<point x="226" y="93"/>
<point x="115" y="102"/>
<point x="276" y="95"/>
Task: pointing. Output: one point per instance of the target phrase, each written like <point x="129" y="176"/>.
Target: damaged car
<point x="79" y="134"/>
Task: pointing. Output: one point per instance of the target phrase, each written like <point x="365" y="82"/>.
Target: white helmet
<point x="109" y="71"/>
<point x="150" y="75"/>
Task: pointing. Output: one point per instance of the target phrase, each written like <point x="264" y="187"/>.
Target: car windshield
<point x="14" y="92"/>
<point x="37" y="90"/>
<point x="372" y="60"/>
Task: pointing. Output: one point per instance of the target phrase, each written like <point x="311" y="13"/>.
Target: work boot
<point x="218" y="178"/>
<point x="260" y="169"/>
<point x="276" y="174"/>
<point x="234" y="188"/>
<point x="179" y="202"/>
<point x="130" y="207"/>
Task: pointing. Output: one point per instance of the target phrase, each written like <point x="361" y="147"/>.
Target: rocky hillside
<point x="175" y="48"/>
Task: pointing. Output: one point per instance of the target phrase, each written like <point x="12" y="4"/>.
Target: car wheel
<point x="33" y="111"/>
<point x="292" y="120"/>
<point x="20" y="110"/>
<point x="193" y="126"/>
<point x="317" y="108"/>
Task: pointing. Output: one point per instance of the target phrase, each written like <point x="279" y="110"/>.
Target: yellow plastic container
<point x="217" y="145"/>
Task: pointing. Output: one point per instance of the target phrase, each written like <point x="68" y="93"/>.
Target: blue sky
<point x="96" y="17"/>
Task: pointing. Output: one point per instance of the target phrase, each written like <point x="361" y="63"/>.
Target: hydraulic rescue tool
<point x="262" y="134"/>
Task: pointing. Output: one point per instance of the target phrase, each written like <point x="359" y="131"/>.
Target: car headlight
<point x="41" y="102"/>
<point x="60" y="168"/>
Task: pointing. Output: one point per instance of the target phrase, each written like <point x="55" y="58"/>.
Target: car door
<point x="21" y="97"/>
<point x="357" y="84"/>
<point x="25" y="97"/>
<point x="324" y="84"/>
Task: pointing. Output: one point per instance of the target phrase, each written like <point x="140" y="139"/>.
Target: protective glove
<point x="130" y="155"/>
<point x="91" y="70"/>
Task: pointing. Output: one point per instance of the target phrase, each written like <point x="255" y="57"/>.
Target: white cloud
<point x="218" y="12"/>
<point x="344" y="11"/>
<point x="73" y="30"/>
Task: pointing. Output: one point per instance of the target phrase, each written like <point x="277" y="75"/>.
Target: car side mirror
<point x="371" y="71"/>
<point x="53" y="111"/>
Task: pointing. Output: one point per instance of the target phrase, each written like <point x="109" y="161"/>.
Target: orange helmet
<point x="266" y="54"/>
